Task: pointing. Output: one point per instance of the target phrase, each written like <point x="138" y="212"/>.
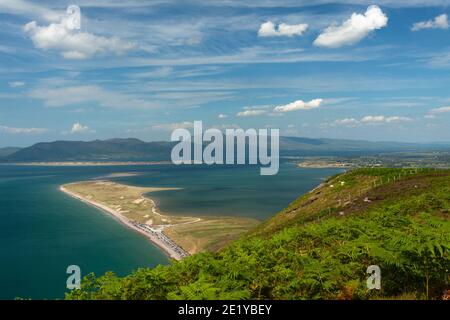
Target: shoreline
<point x="156" y="236"/>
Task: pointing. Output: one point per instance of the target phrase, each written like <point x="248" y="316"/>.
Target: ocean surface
<point x="43" y="231"/>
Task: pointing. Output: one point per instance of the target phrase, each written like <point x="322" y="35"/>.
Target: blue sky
<point x="356" y="69"/>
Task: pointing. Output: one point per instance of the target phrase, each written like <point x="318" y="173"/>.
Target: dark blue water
<point x="42" y="230"/>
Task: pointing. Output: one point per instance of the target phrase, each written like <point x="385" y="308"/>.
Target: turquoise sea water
<point x="42" y="230"/>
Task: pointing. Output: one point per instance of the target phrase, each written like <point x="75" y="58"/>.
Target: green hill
<point x="319" y="247"/>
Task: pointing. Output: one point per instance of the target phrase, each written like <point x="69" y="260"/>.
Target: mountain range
<point x="131" y="149"/>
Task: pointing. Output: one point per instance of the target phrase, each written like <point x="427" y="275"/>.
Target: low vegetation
<point x="319" y="247"/>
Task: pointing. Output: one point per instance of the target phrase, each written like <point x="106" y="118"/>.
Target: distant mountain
<point x="97" y="150"/>
<point x="306" y="146"/>
<point x="8" y="151"/>
<point x="136" y="150"/>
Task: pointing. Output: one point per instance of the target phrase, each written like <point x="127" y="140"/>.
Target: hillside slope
<point x="319" y="247"/>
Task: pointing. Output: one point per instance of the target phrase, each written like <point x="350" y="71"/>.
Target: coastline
<point x="157" y="237"/>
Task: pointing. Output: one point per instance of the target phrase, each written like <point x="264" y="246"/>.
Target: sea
<point x="43" y="231"/>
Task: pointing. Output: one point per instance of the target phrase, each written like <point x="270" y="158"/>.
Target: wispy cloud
<point x="27" y="8"/>
<point x="15" y="130"/>
<point x="256" y="55"/>
<point x="439" y="22"/>
<point x="160" y="72"/>
<point x="440" y="110"/>
<point x="74" y="95"/>
<point x="348" y="122"/>
<point x="16" y="84"/>
<point x="251" y="113"/>
<point x="438" y="60"/>
<point x="433" y="113"/>
<point x="300" y="4"/>
<point x="381" y="119"/>
<point x="369" y="120"/>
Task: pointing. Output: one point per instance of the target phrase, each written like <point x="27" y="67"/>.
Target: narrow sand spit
<point x="155" y="235"/>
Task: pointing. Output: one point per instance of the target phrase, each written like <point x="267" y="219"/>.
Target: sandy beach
<point x="154" y="235"/>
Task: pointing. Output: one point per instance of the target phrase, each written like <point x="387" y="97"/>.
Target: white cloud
<point x="381" y="119"/>
<point x="353" y="30"/>
<point x="79" y="128"/>
<point x="373" y="119"/>
<point x="251" y="113"/>
<point x="173" y="126"/>
<point x="439" y="22"/>
<point x="72" y="43"/>
<point x="13" y="130"/>
<point x="269" y="29"/>
<point x="222" y="116"/>
<point x="348" y="122"/>
<point x="16" y="84"/>
<point x="299" y="105"/>
<point x="398" y="119"/>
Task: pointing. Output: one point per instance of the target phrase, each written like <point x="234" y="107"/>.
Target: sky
<point x="350" y="69"/>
